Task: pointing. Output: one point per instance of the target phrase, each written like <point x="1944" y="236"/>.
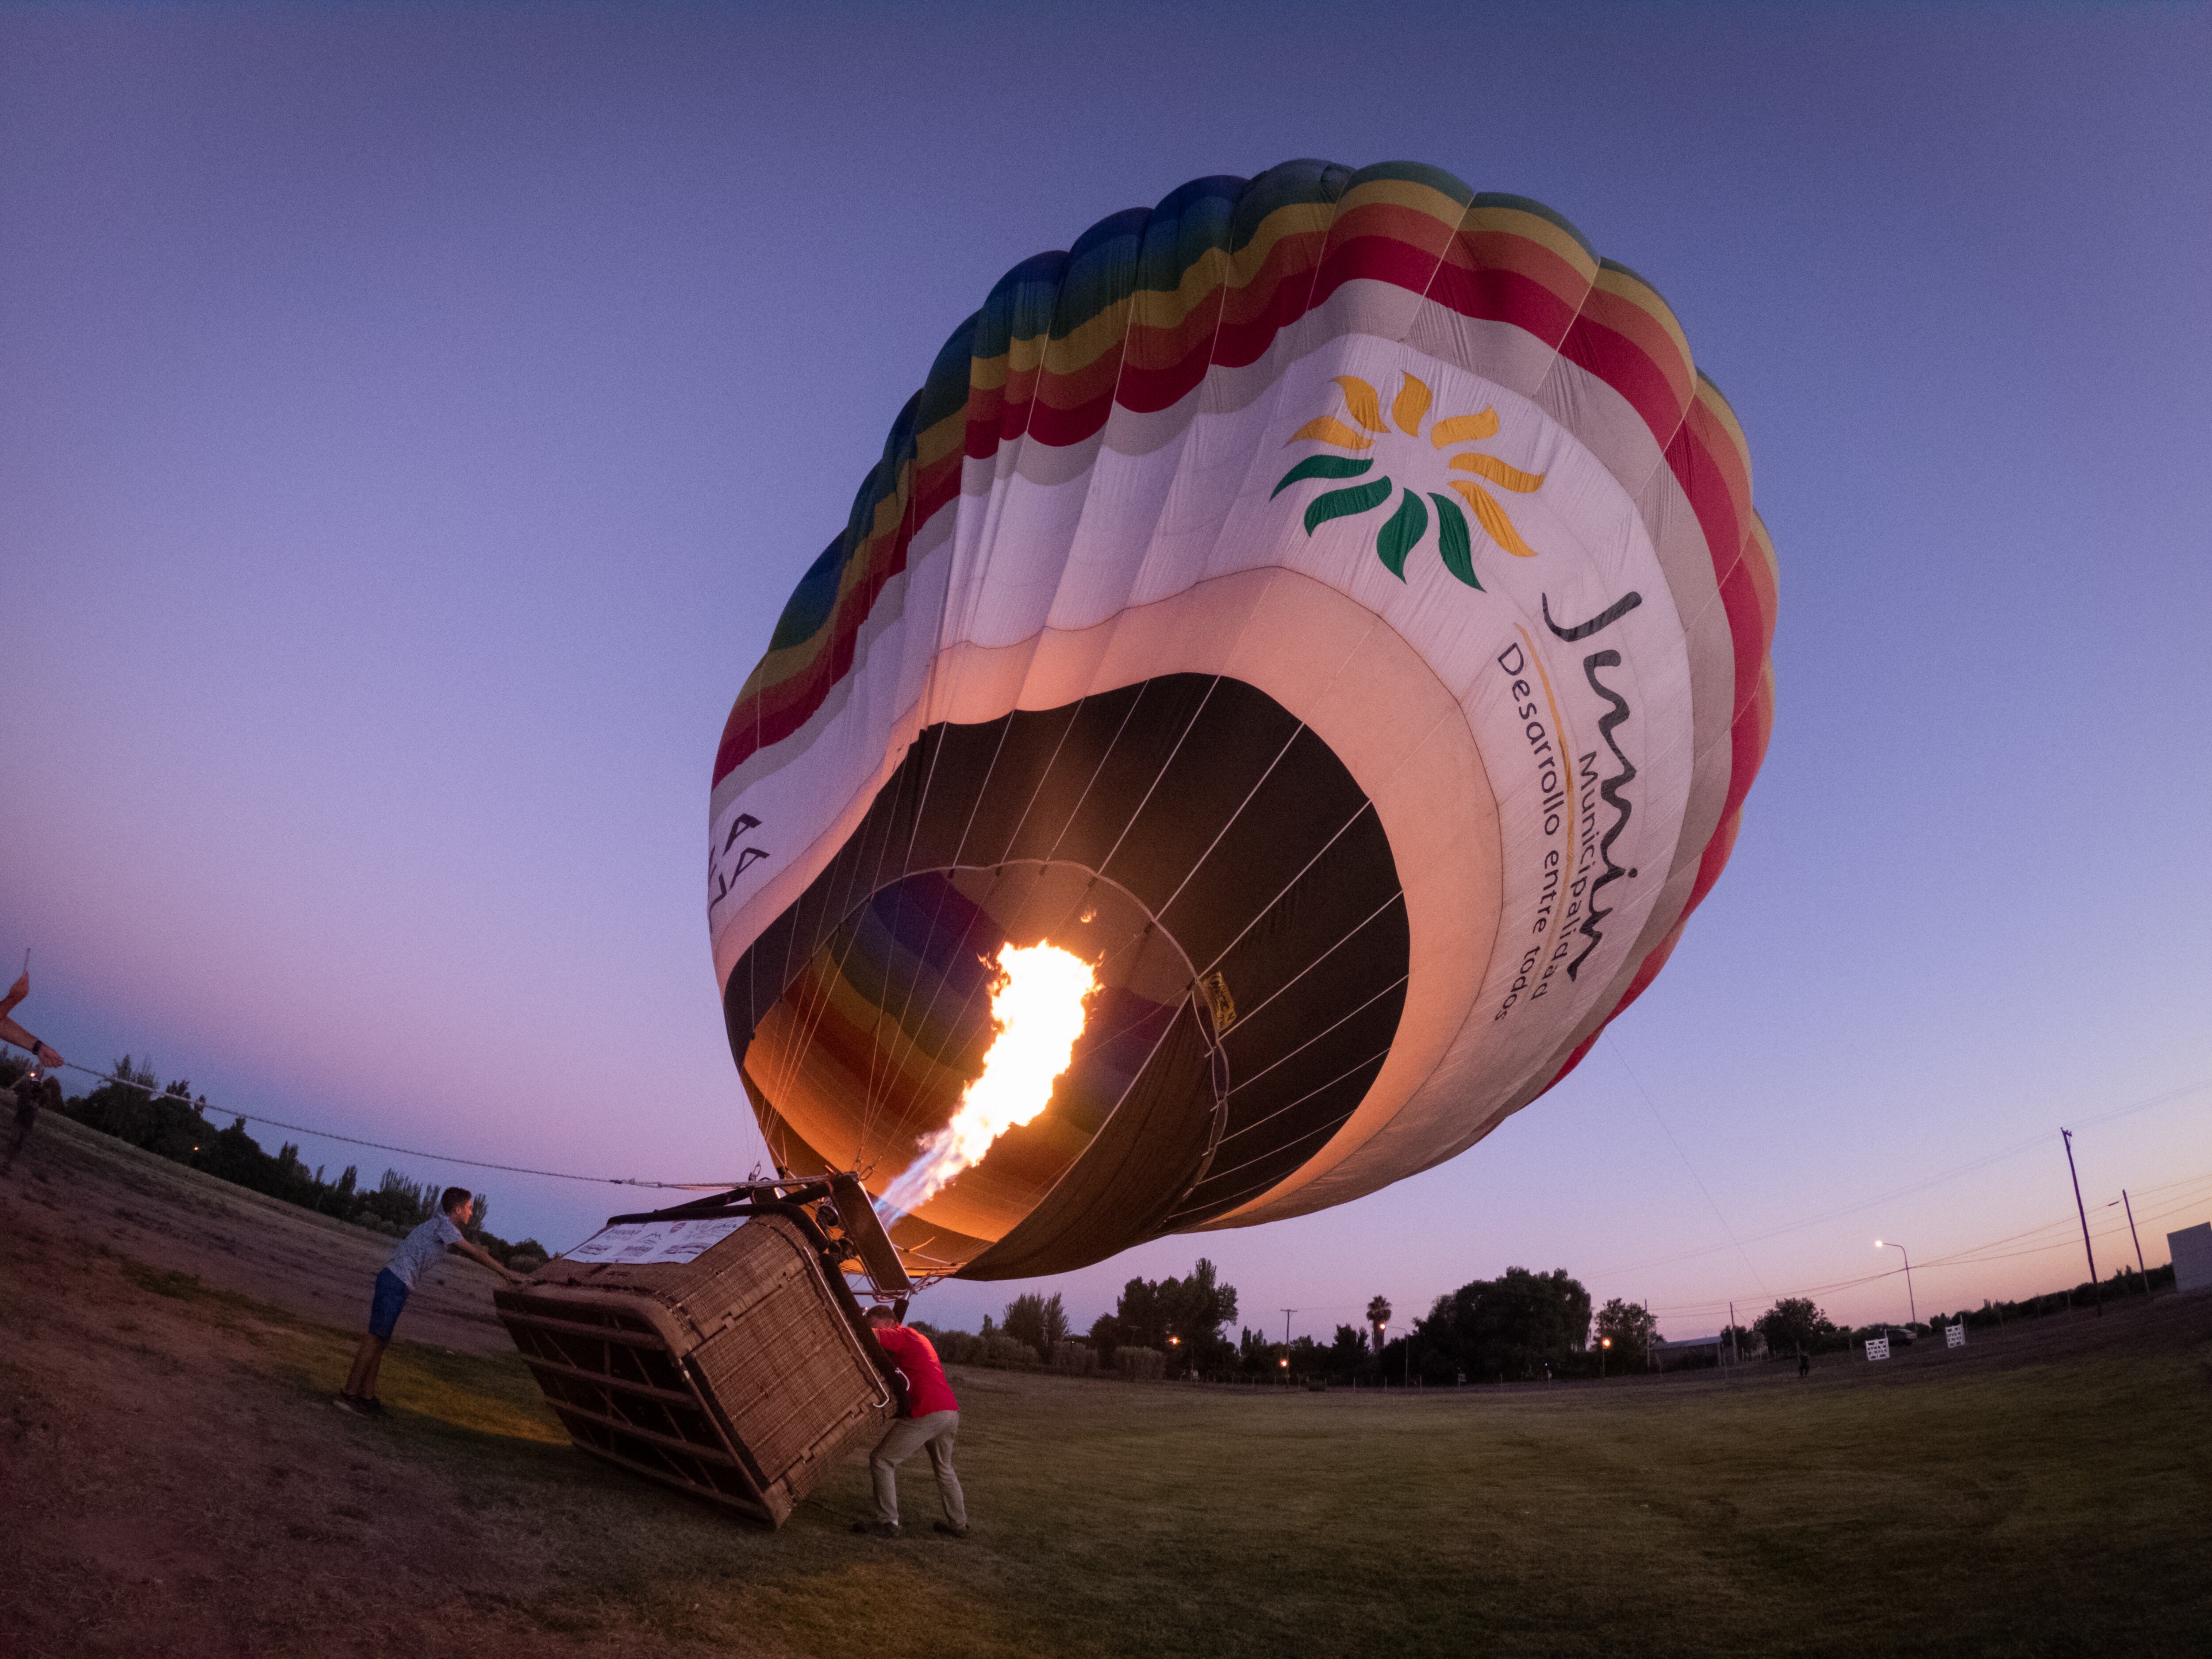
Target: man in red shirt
<point x="929" y="1417"/>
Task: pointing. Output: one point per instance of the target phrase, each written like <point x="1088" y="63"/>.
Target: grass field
<point x="176" y="1483"/>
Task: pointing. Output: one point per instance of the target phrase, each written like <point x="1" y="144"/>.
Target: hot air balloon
<point x="1327" y="607"/>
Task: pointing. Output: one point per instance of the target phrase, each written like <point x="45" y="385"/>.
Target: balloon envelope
<point x="1330" y="604"/>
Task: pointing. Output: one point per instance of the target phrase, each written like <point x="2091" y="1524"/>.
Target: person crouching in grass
<point x="419" y="1251"/>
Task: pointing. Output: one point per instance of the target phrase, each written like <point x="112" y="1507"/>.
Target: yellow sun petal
<point x="1412" y="403"/>
<point x="1497" y="472"/>
<point x="1493" y="519"/>
<point x="1464" y="429"/>
<point x="1363" y="401"/>
<point x="1330" y="430"/>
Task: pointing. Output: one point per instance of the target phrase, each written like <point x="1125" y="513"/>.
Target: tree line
<point x="1796" y="1326"/>
<point x="174" y="1123"/>
<point x="1521" y="1326"/>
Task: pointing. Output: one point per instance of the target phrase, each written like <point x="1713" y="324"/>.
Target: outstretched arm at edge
<point x="11" y="1032"/>
<point x="478" y="1253"/>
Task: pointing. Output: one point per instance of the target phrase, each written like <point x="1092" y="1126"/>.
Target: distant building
<point x="2191" y="1249"/>
<point x="1681" y="1355"/>
<point x="1705" y="1351"/>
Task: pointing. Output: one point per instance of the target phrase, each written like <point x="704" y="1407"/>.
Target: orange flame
<point x="1036" y="1006"/>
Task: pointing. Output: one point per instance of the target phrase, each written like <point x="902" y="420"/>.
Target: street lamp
<point x="1604" y="1345"/>
<point x="1883" y="1244"/>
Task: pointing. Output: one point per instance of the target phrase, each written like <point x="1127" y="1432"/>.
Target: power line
<point x="1920" y="1186"/>
<point x="1615" y="1048"/>
<point x="1973" y="1256"/>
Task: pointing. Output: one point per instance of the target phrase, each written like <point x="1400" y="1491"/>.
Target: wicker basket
<point x="739" y="1376"/>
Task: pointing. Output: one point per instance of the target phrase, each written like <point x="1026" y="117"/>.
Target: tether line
<point x="406" y="1151"/>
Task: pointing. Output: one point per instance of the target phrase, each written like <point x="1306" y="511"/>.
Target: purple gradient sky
<point x="414" y="417"/>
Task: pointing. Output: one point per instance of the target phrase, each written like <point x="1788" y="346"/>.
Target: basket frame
<point x="620" y="1365"/>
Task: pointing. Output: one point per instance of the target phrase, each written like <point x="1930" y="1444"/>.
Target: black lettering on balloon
<point x="723" y="878"/>
<point x="1604" y="619"/>
<point x="1613" y="785"/>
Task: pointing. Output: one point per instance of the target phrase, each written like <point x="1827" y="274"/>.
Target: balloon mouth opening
<point x="1229" y="887"/>
<point x="962" y="1040"/>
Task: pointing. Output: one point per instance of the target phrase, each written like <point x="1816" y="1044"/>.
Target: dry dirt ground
<point x="174" y="1481"/>
<point x="174" y="1477"/>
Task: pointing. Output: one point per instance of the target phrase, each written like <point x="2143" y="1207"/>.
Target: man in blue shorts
<point x="420" y="1250"/>
<point x="36" y="1087"/>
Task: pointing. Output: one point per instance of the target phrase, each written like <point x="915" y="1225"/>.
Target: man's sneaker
<point x="877" y="1529"/>
<point x="949" y="1530"/>
<point x="354" y="1403"/>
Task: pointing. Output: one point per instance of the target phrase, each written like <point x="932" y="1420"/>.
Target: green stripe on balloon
<point x="1321" y="466"/>
<point x="1343" y="503"/>
<point x="1458" y="546"/>
<point x="1403" y="534"/>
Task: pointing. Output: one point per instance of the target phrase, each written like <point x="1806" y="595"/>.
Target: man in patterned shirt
<point x="423" y="1248"/>
<point x="37" y="1086"/>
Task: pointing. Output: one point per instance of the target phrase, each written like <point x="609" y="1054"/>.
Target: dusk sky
<point x="412" y="419"/>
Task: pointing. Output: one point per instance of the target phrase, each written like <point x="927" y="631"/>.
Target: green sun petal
<point x="1458" y="547"/>
<point x="1322" y="466"/>
<point x="1343" y="503"/>
<point x="1403" y="534"/>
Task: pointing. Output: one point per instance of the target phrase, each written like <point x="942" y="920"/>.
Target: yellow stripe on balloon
<point x="1493" y="519"/>
<point x="1464" y="429"/>
<point x="1364" y="402"/>
<point x="1497" y="472"/>
<point x="1330" y="430"/>
<point x="1411" y="404"/>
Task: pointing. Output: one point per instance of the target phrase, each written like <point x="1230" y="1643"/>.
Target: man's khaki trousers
<point x="907" y="1436"/>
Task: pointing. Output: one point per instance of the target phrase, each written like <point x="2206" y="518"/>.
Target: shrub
<point x="958" y="1348"/>
<point x="1141" y="1365"/>
<point x="1005" y="1354"/>
<point x="1038" y="1321"/>
<point x="1105" y="1337"/>
<point x="1074" y="1359"/>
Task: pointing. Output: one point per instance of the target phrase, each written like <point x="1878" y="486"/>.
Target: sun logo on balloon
<point x="1404" y="530"/>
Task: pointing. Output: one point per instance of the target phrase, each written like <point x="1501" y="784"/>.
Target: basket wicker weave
<point x="739" y="1376"/>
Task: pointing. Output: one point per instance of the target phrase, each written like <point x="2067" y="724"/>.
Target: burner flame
<point x="1036" y="1006"/>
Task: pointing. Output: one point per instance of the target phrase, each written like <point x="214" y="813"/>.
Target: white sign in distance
<point x="1954" y="1336"/>
<point x="638" y="1243"/>
<point x="1877" y="1347"/>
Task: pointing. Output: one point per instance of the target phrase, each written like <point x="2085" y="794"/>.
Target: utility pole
<point x="2134" y="1235"/>
<point x="1735" y="1346"/>
<point x="2095" y="1293"/>
<point x="1287" y="1312"/>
